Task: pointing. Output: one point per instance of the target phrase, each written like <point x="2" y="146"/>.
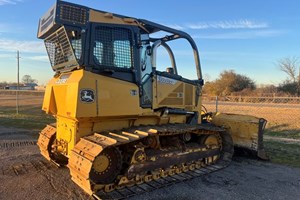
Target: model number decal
<point x="165" y="80"/>
<point x="63" y="79"/>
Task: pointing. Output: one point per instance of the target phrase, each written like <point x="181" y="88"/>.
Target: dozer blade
<point x="246" y="131"/>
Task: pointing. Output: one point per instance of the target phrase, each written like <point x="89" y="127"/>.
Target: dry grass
<point x="282" y="122"/>
<point x="281" y="119"/>
<point x="30" y="114"/>
<point x="24" y="100"/>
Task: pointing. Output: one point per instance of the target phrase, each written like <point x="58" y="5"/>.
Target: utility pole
<point x="17" y="92"/>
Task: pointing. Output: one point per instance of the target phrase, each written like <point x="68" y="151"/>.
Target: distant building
<point x="29" y="86"/>
<point x="40" y="88"/>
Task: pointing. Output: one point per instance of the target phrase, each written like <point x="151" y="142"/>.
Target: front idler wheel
<point x="106" y="166"/>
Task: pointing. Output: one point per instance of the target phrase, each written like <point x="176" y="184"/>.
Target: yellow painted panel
<point x="66" y="130"/>
<point x="61" y="94"/>
<point x="70" y="102"/>
<point x="110" y="96"/>
<point x="49" y="105"/>
<point x="113" y="97"/>
<point x="173" y="93"/>
<point x="111" y="124"/>
<point x="189" y="94"/>
<point x="96" y="16"/>
<point x="164" y="90"/>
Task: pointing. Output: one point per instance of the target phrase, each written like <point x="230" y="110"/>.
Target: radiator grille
<point x="59" y="48"/>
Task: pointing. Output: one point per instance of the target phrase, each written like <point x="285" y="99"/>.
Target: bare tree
<point x="27" y="79"/>
<point x="289" y="66"/>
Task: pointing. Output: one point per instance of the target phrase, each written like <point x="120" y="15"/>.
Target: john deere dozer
<point x="120" y="122"/>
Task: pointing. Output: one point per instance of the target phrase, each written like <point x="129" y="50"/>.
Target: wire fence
<point x="251" y="99"/>
<point x="22" y="102"/>
<point x="282" y="113"/>
<point x="22" y="92"/>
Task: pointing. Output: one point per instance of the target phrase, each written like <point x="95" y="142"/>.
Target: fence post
<point x="216" y="104"/>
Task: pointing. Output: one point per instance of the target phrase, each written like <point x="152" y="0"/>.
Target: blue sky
<point x="246" y="36"/>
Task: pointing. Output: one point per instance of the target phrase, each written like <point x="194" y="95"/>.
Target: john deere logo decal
<point x="87" y="96"/>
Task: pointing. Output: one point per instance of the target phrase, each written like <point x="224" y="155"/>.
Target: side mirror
<point x="201" y="82"/>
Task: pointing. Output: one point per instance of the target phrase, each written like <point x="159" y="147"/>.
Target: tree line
<point x="231" y="83"/>
<point x="26" y="79"/>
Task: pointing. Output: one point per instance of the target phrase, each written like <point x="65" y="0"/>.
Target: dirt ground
<point x="25" y="174"/>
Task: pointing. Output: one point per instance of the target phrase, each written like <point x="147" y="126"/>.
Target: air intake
<point x="73" y="14"/>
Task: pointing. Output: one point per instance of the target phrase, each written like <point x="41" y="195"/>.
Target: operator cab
<point x="77" y="37"/>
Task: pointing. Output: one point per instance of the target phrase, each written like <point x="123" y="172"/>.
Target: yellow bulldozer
<point x="120" y="122"/>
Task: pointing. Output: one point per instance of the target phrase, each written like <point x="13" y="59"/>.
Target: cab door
<point x="146" y="73"/>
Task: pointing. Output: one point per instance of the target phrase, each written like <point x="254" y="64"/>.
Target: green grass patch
<point x="291" y="133"/>
<point x="283" y="153"/>
<point x="29" y="117"/>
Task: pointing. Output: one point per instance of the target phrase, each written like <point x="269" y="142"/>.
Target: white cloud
<point x="9" y="45"/>
<point x="231" y="24"/>
<point x="175" y="26"/>
<point x="39" y="58"/>
<point x="3" y="2"/>
<point x="241" y="35"/>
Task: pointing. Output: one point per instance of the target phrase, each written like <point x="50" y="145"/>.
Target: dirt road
<point x="24" y="174"/>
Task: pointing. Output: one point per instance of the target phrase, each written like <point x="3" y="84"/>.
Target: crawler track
<point x="16" y="143"/>
<point x="88" y="148"/>
<point x="145" y="187"/>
